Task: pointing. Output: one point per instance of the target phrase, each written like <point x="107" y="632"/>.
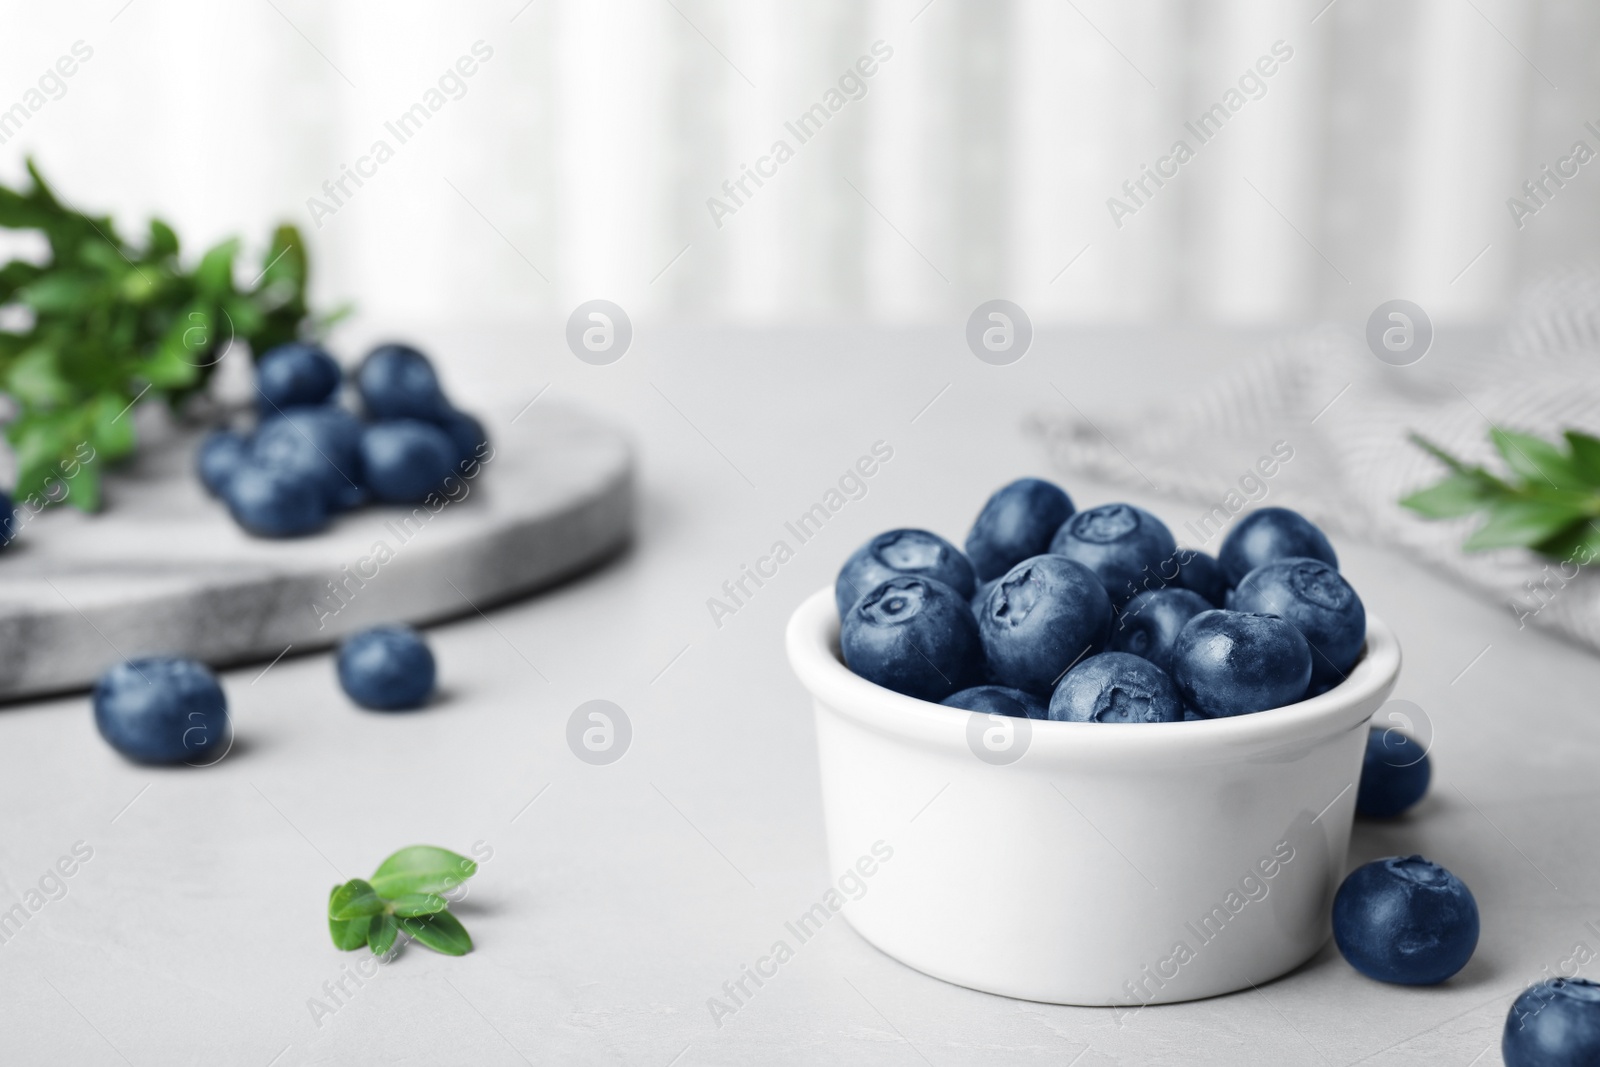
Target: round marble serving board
<point x="162" y="568"/>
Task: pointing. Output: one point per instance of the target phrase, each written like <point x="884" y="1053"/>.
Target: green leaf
<point x="214" y="275"/>
<point x="83" y="487"/>
<point x="62" y="292"/>
<point x="1521" y="523"/>
<point x="381" y="934"/>
<point x="162" y="242"/>
<point x="354" y="900"/>
<point x="1579" y="544"/>
<point x="421" y="869"/>
<point x="1585" y="455"/>
<point x="1457" y="495"/>
<point x="36" y="379"/>
<point x="112" y="421"/>
<point x="348" y="934"/>
<point x="442" y="933"/>
<point x="1538" y="462"/>
<point x="410" y="905"/>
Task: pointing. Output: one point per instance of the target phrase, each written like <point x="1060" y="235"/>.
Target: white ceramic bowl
<point x="1086" y="863"/>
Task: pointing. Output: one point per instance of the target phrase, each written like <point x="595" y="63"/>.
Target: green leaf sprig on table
<point x="108" y="322"/>
<point x="1548" y="503"/>
<point x="402" y="896"/>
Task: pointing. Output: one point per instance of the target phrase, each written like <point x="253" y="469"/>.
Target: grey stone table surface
<point x="614" y="900"/>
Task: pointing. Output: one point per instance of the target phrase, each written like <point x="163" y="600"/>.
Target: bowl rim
<point x="812" y="642"/>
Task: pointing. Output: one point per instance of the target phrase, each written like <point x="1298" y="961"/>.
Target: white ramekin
<point x="1109" y="863"/>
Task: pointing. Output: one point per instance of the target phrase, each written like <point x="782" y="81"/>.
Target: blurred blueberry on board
<point x="466" y="433"/>
<point x="220" y="454"/>
<point x="1016" y="524"/>
<point x="272" y="503"/>
<point x="998" y="700"/>
<point x="161" y="709"/>
<point x="1394" y="774"/>
<point x="295" y="375"/>
<point x="1267" y="534"/>
<point x="1203" y="574"/>
<point x="405" y="460"/>
<point x="397" y="382"/>
<point x="1234" y="663"/>
<point x="1554" y="1023"/>
<point x="1405" y="920"/>
<point x="1116" y="687"/>
<point x="8" y="519"/>
<point x="321" y="445"/>
<point x="914" y="635"/>
<point x="1315" y="599"/>
<point x="387" y="668"/>
<point x="1191" y="715"/>
<point x="1046" y="614"/>
<point x="1149" y="624"/>
<point x="914" y="552"/>
<point x="1126" y="547"/>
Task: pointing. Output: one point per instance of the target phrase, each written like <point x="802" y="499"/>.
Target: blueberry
<point x="1268" y="534"/>
<point x="915" y="552"/>
<point x="270" y="503"/>
<point x="1203" y="574"/>
<point x="1016" y="524"/>
<point x="161" y="709"/>
<point x="8" y="519"/>
<point x="466" y="433"/>
<point x="1406" y="921"/>
<point x="998" y="700"/>
<point x="1126" y="547"/>
<point x="1555" y="1023"/>
<point x="1116" y="687"/>
<point x="295" y="375"/>
<point x="1315" y="599"/>
<point x="1394" y="774"/>
<point x="221" y="452"/>
<point x="913" y="635"/>
<point x="406" y="459"/>
<point x="387" y="668"/>
<point x="398" y="382"/>
<point x="981" y="597"/>
<point x="1233" y="663"/>
<point x="1046" y="614"/>
<point x="321" y="445"/>
<point x="1148" y="625"/>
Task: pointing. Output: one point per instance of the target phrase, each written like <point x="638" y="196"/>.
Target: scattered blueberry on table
<point x="1555" y="1023"/>
<point x="1405" y="920"/>
<point x="1103" y="598"/>
<point x="161" y="709"/>
<point x="309" y="458"/>
<point x="1394" y="774"/>
<point x="387" y="668"/>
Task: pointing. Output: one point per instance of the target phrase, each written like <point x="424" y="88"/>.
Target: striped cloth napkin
<point x="1319" y="424"/>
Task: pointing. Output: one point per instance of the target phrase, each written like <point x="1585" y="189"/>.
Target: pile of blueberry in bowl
<point x="310" y="458"/>
<point x="1098" y="615"/>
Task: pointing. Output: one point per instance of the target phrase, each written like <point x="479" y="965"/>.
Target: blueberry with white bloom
<point x="1126" y="547"/>
<point x="388" y="668"/>
<point x="272" y="503"/>
<point x="1116" y="687"/>
<point x="1046" y="614"/>
<point x="295" y="375"/>
<point x="1405" y="920"/>
<point x="1394" y="774"/>
<point x="1269" y="534"/>
<point x="321" y="445"/>
<point x="1234" y="663"/>
<point x="893" y="552"/>
<point x="1015" y="524"/>
<point x="913" y="635"/>
<point x="161" y="709"/>
<point x="1203" y="574"/>
<point x="221" y="453"/>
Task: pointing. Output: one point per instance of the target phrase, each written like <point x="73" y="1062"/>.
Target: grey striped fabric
<point x="1342" y="418"/>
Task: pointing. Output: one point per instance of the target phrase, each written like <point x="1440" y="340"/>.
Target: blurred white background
<point x="578" y="161"/>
